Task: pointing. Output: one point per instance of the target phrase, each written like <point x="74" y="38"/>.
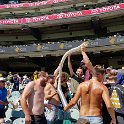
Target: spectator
<point x="108" y="70"/>
<point x="53" y="99"/>
<point x="3" y="99"/>
<point x="25" y="80"/>
<point x="92" y="93"/>
<point x="79" y="73"/>
<point x="111" y="79"/>
<point x="35" y="75"/>
<point x="87" y="73"/>
<point x="16" y="81"/>
<point x="32" y="100"/>
<point x="117" y="97"/>
<point x="77" y="78"/>
<point x="10" y="77"/>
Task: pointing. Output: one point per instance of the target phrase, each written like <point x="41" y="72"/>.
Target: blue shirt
<point x="3" y="96"/>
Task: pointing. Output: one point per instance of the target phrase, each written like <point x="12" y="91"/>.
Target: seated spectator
<point x="16" y="104"/>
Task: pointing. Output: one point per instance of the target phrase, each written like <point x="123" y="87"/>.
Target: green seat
<point x="67" y="122"/>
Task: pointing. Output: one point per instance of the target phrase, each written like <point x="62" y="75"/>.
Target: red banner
<point x="63" y="15"/>
<point x="30" y="4"/>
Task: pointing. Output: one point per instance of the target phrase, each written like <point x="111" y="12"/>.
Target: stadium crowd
<point x="97" y="92"/>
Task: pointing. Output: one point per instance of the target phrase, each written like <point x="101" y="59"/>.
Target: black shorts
<point x="2" y="113"/>
<point x="38" y="119"/>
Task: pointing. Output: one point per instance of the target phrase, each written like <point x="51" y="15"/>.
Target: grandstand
<point x="35" y="32"/>
<point x="34" y="35"/>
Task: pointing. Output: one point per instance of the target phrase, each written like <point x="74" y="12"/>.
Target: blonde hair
<point x="66" y="76"/>
<point x="112" y="75"/>
<point x="42" y="73"/>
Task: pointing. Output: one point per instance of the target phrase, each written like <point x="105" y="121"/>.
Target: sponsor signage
<point x="62" y="15"/>
<point x="34" y="4"/>
<point x="65" y="45"/>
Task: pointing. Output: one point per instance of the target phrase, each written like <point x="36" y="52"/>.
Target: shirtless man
<point x="53" y="99"/>
<point x="92" y="93"/>
<point x="32" y="100"/>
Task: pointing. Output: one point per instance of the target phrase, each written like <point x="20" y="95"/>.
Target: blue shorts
<point x="93" y="119"/>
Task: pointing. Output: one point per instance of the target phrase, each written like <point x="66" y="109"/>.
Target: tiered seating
<point x="15" y="116"/>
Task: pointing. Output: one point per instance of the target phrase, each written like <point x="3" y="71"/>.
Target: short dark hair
<point x="99" y="69"/>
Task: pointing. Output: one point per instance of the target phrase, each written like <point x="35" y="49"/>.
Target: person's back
<point x="91" y="98"/>
<point x="92" y="93"/>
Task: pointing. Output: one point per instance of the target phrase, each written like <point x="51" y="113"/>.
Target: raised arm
<point x="70" y="66"/>
<point x="56" y="72"/>
<point x="86" y="59"/>
<point x="75" y="99"/>
<point x="108" y="103"/>
<point x="56" y="81"/>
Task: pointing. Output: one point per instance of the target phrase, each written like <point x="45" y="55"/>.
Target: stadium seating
<point x="19" y="121"/>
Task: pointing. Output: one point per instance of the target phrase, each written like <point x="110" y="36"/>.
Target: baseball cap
<point x="109" y="68"/>
<point x="2" y="79"/>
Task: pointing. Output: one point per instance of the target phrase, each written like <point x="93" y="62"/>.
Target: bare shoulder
<point x="30" y="85"/>
<point x="28" y="89"/>
<point x="104" y="87"/>
<point x="47" y="87"/>
<point x="84" y="84"/>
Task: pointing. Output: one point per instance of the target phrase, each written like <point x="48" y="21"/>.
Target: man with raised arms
<point x="92" y="92"/>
